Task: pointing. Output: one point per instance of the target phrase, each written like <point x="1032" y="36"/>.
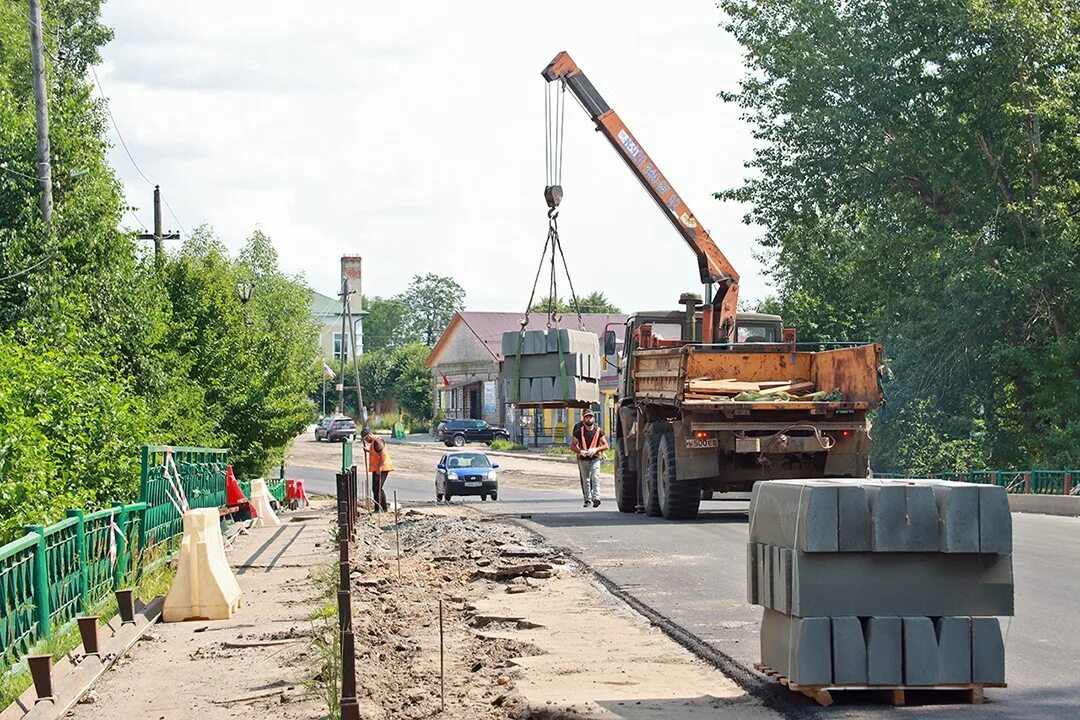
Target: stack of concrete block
<point x="545" y="357"/>
<point x="870" y="582"/>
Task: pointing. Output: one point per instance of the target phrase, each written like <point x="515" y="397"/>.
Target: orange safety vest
<point x="379" y="457"/>
<point x="595" y="440"/>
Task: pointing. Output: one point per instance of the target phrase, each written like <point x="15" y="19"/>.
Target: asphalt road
<point x="693" y="574"/>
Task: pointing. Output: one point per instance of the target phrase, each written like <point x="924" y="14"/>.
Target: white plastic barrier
<point x="260" y="500"/>
<point x="205" y="587"/>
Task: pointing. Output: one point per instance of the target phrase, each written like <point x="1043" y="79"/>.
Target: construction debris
<point x="750" y="391"/>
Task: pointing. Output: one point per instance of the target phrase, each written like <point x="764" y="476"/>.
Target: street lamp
<point x="244" y="289"/>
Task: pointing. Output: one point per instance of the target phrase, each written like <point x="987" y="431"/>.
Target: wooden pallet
<point x="822" y="694"/>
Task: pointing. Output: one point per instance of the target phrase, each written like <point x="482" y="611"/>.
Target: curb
<point x="1063" y="505"/>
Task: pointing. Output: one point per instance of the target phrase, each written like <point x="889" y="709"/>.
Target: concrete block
<point x="535" y="342"/>
<point x="901" y="584"/>
<point x="848" y="651"/>
<point x="958" y="516"/>
<point x="580" y="390"/>
<point x="920" y="652"/>
<point x="903" y="517"/>
<point x="261" y="501"/>
<point x="854" y="518"/>
<point x="762" y="577"/>
<point x="883" y="650"/>
<point x="783" y="580"/>
<point x="987" y="651"/>
<point x="769" y="568"/>
<point x="510" y="344"/>
<point x="954" y="649"/>
<point x="752" y="573"/>
<point x="798" y="648"/>
<point x="204" y="587"/>
<point x="574" y="341"/>
<point x="995" y="523"/>
<point x="780" y="509"/>
<point x="545" y="388"/>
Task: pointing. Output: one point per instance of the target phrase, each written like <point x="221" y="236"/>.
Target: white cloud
<point x="412" y="134"/>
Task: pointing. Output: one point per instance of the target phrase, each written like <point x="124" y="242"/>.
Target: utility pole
<point x="159" y="237"/>
<point x="41" y="107"/>
<point x="344" y="340"/>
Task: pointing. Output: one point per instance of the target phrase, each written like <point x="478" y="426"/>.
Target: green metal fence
<point x="202" y="477"/>
<point x="346" y="455"/>
<point x="1028" y="482"/>
<point x="55" y="573"/>
<point x="275" y="486"/>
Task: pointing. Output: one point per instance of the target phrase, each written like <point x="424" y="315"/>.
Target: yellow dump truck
<point x="695" y="420"/>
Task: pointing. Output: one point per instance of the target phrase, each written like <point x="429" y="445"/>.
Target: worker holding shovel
<point x="379" y="465"/>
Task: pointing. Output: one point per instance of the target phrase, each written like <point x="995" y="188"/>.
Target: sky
<point x="412" y="134"/>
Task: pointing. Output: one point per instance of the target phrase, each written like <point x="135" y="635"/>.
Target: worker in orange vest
<point x="589" y="444"/>
<point x="379" y="465"/>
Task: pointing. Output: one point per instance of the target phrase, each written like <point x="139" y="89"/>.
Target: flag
<point x="445" y="380"/>
<point x="327" y="372"/>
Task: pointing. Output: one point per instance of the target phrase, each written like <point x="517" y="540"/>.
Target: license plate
<point x="695" y="444"/>
<point x="473" y="484"/>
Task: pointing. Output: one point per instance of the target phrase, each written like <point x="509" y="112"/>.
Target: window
<point x="469" y="460"/>
<point x="337" y="345"/>
<point x="756" y="333"/>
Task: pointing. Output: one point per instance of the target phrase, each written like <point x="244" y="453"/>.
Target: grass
<point x="150" y="583"/>
<point x="506" y="445"/>
<point x="327" y="641"/>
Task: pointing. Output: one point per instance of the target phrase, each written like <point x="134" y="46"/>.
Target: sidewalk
<point x="257" y="664"/>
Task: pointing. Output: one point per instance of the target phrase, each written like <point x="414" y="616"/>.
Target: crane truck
<point x="712" y="400"/>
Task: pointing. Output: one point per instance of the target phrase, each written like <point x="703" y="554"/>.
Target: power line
<point x="25" y="270"/>
<point x="127" y="151"/>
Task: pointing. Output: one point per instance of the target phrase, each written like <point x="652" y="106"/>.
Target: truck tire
<point x="678" y="500"/>
<point x="647" y="482"/>
<point x="626" y="485"/>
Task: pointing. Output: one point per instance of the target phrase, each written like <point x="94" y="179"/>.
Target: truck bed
<point x="663" y="376"/>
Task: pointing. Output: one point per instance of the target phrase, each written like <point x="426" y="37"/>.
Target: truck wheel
<point x="647" y="480"/>
<point x="626" y="485"/>
<point x="678" y="499"/>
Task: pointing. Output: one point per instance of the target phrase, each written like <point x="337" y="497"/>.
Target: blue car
<point x="466" y="472"/>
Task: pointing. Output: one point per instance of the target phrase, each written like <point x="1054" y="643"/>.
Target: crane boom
<point x="713" y="266"/>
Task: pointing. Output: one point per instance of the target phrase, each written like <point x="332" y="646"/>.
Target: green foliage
<point x="916" y="181"/>
<point x="102" y="348"/>
<point x="594" y="302"/>
<point x="386" y="324"/>
<point x="431" y="301"/>
<point x="506" y="445"/>
<point x="399" y="374"/>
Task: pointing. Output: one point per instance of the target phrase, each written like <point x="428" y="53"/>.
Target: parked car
<point x="466" y="472"/>
<point x="334" y="429"/>
<point x="455" y="433"/>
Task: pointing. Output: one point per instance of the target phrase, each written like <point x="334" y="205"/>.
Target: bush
<point x="506" y="445"/>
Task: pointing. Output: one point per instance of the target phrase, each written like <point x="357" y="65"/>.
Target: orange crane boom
<point x="713" y="266"/>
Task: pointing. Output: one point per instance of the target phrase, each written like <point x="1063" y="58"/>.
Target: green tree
<point x="594" y="302"/>
<point x="431" y="301"/>
<point x="413" y="384"/>
<point x="915" y="179"/>
<point x="386" y="324"/>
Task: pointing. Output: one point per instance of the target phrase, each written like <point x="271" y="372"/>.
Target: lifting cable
<point x="554" y="115"/>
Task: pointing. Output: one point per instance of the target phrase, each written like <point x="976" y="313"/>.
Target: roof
<point x="323" y="305"/>
<point x="489" y="327"/>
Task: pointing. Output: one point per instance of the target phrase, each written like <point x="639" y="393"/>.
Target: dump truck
<point x="712" y="400"/>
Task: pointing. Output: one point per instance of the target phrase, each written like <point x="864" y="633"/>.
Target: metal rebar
<point x="442" y="661"/>
<point x="397" y="535"/>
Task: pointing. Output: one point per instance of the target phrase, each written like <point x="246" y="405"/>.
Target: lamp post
<point x="244" y="289"/>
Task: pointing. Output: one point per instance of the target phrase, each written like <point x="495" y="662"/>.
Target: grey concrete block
<point x="535" y="342"/>
<point x="782" y="587"/>
<point x="920" y="652"/>
<point x="954" y="649"/>
<point x="848" y="651"/>
<point x="798" y="648"/>
<point x="762" y="577"/>
<point x="574" y="341"/>
<point x="958" y="516"/>
<point x="769" y="570"/>
<point x="854" y="519"/>
<point x="525" y="389"/>
<point x="782" y="509"/>
<point x="550" y="365"/>
<point x="987" y="651"/>
<point x="580" y="390"/>
<point x="752" y="573"/>
<point x="903" y="517"/>
<point x="510" y="342"/>
<point x="995" y="523"/>
<point x="884" y="650"/>
<point x="901" y="584"/>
